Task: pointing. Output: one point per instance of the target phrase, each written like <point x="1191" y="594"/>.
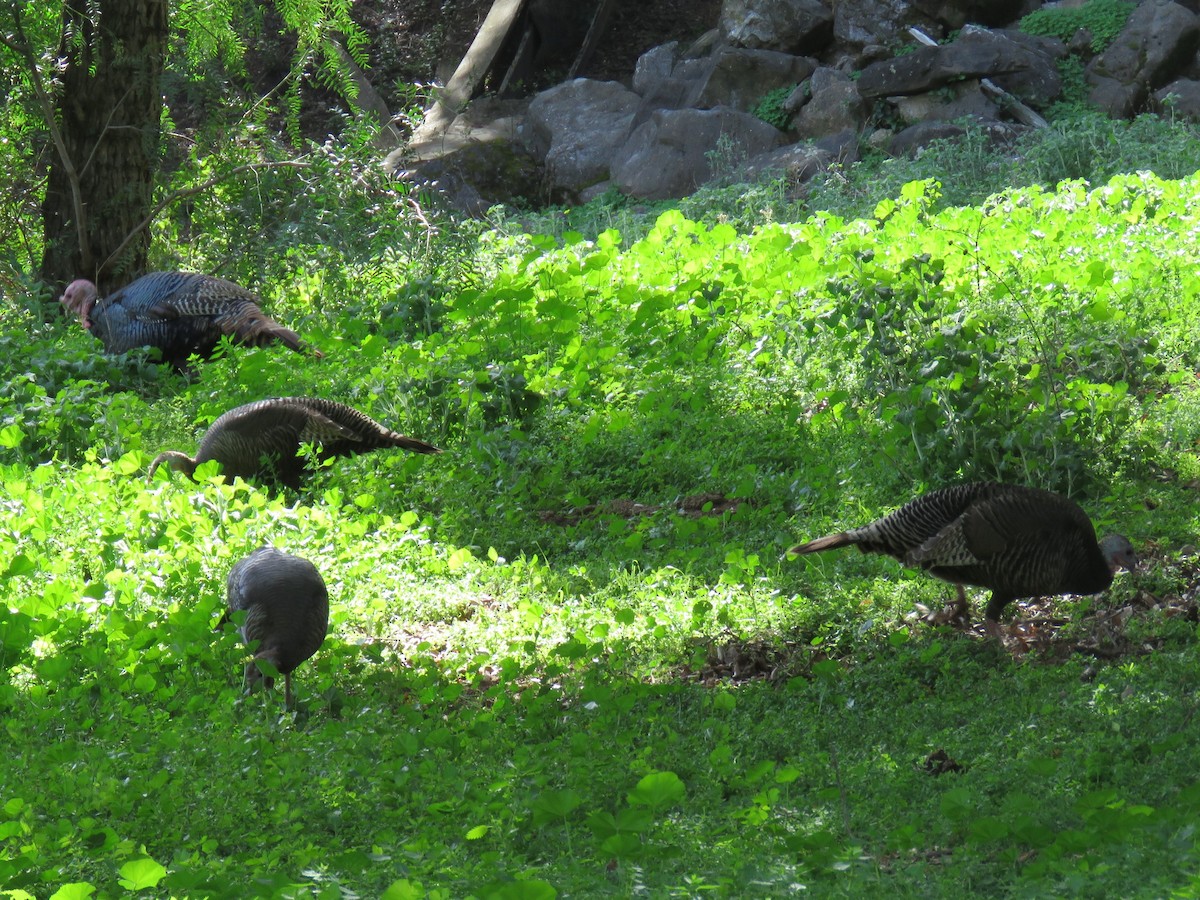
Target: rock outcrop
<point x="789" y="86"/>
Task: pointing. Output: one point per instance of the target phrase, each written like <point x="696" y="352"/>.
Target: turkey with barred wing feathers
<point x="180" y="313"/>
<point x="1018" y="541"/>
<point x="287" y="612"/>
<point x="263" y="439"/>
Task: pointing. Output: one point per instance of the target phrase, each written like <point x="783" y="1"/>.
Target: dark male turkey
<point x="180" y="313"/>
<point x="1017" y="541"/>
<point x="263" y="439"/>
<point x="287" y="612"/>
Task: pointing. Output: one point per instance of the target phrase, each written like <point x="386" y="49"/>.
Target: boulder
<point x="739" y="77"/>
<point x="477" y="176"/>
<point x="654" y="66"/>
<point x="665" y="81"/>
<point x="669" y="155"/>
<point x="913" y="140"/>
<point x="575" y="127"/>
<point x="1159" y="39"/>
<point x="1181" y="98"/>
<point x="978" y="53"/>
<point x="964" y="100"/>
<point x="477" y="163"/>
<point x="797" y="163"/>
<point x="843" y="146"/>
<point x="791" y="26"/>
<point x="865" y="23"/>
<point x="1031" y="61"/>
<point x="834" y="106"/>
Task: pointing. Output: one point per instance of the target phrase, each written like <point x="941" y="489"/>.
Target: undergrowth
<point x="568" y="656"/>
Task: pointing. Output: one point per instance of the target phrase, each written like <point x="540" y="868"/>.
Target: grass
<point x="568" y="656"/>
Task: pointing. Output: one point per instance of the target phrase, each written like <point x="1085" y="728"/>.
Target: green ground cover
<point x="568" y="657"/>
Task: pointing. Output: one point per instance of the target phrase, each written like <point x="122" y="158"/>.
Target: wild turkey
<point x="180" y="313"/>
<point x="1018" y="541"/>
<point x="264" y="439"/>
<point x="287" y="612"/>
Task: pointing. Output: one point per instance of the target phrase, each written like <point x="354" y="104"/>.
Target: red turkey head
<point x="79" y="298"/>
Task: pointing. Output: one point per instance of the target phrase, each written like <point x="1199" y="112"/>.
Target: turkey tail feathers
<point x="252" y="326"/>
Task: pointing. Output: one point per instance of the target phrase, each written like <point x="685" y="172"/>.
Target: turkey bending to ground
<point x="1018" y="541"/>
<point x="264" y="439"/>
<point x="180" y="313"/>
<point x="287" y="612"/>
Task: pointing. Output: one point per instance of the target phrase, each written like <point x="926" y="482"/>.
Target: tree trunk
<point x="109" y="107"/>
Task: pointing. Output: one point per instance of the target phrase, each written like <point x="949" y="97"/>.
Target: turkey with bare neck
<point x="180" y="313"/>
<point x="264" y="439"/>
<point x="1018" y="541"/>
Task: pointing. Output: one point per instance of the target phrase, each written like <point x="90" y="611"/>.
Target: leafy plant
<point x="771" y="107"/>
<point x="566" y="655"/>
<point x="1104" y="19"/>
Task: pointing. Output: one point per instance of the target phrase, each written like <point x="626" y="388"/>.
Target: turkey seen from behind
<point x="286" y="606"/>
<point x="1018" y="541"/>
<point x="180" y="313"/>
<point x="264" y="439"/>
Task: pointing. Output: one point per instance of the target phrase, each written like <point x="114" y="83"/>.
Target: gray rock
<point x="843" y="146"/>
<point x="835" y="106"/>
<point x="575" y="127"/>
<point x="977" y="53"/>
<point x="679" y="88"/>
<point x="964" y="100"/>
<point x="477" y="163"/>
<point x="1026" y="65"/>
<point x="913" y="141"/>
<point x="477" y="176"/>
<point x="879" y="22"/>
<point x="654" y="66"/>
<point x="796" y="162"/>
<point x="739" y="77"/>
<point x="671" y="154"/>
<point x="792" y="26"/>
<point x="915" y="138"/>
<point x="1181" y="98"/>
<point x="1159" y="39"/>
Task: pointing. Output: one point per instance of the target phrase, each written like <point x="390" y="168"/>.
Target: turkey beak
<point x="1127" y="561"/>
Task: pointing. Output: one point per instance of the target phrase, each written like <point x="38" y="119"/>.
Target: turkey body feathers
<point x="264" y="438"/>
<point x="287" y="610"/>
<point x="180" y="313"/>
<point x="1017" y="541"/>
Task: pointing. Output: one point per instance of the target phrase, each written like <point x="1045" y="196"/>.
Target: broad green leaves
<point x="557" y="651"/>
<point x="139" y="874"/>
